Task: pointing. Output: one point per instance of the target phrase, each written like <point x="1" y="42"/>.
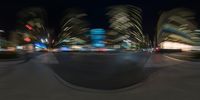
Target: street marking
<point x="175" y="59"/>
<point x="151" y="63"/>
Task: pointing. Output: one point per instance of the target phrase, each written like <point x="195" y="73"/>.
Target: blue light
<point x="40" y="45"/>
<point x="97" y="37"/>
<point x="65" y="49"/>
<point x="97" y="31"/>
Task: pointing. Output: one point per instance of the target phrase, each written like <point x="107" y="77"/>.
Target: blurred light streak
<point x="28" y="27"/>
<point x="178" y="25"/>
<point x="175" y="45"/>
<point x="2" y="31"/>
<point x="27" y="39"/>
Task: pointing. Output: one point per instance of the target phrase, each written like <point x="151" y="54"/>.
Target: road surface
<point x="168" y="79"/>
<point x="188" y="56"/>
<point x="101" y="70"/>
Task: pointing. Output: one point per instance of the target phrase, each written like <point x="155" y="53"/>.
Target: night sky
<point x="96" y="10"/>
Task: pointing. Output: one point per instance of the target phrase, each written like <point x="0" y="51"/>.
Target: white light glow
<point x="176" y="45"/>
<point x="46" y="40"/>
<point x="2" y="31"/>
<point x="19" y="47"/>
<point x="42" y="40"/>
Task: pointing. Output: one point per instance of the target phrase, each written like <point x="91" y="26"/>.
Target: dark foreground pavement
<point x="168" y="79"/>
<point x="8" y="65"/>
<point x="101" y="70"/>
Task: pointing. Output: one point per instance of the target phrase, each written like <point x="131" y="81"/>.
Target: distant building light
<point x="197" y="30"/>
<point x="46" y="40"/>
<point x="2" y="31"/>
<point x="42" y="40"/>
<point x="28" y="27"/>
<point x="19" y="47"/>
<point x="27" y="39"/>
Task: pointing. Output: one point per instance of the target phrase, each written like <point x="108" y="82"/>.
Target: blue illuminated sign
<point x="98" y="37"/>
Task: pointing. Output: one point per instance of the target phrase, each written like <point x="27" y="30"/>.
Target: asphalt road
<point x="105" y="71"/>
<point x="188" y="56"/>
<point x="35" y="79"/>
